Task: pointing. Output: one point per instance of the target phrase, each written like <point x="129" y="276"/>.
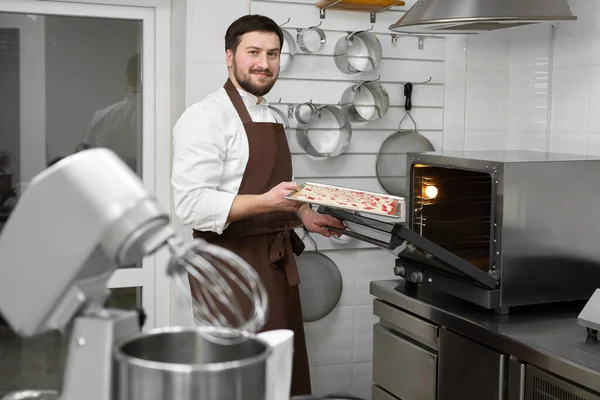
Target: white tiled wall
<point x="576" y="82"/>
<point x="455" y="85"/>
<point x="528" y="88"/>
<point x="497" y="87"/>
<point x="341" y="344"/>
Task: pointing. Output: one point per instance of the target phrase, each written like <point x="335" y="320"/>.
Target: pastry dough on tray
<point x="348" y="199"/>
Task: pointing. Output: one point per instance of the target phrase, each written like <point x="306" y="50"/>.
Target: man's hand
<point x="315" y="222"/>
<point x="275" y="198"/>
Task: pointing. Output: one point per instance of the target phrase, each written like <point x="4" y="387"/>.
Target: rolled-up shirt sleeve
<point x="199" y="151"/>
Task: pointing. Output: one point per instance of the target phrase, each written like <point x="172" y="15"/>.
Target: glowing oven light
<point x="431" y="192"/>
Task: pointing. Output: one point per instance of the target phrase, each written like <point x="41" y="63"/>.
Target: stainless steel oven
<point x="499" y="229"/>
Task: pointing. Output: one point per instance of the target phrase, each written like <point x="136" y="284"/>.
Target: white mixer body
<point x="74" y="225"/>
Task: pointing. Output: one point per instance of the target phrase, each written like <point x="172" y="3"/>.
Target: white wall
<point x="532" y="88"/>
<point x="340" y="345"/>
<point x="207" y="23"/>
<point x="576" y="82"/>
<point x="497" y="90"/>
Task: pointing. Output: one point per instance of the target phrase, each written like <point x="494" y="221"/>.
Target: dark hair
<point x="250" y="23"/>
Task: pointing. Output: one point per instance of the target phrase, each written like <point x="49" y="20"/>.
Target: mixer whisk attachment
<point x="226" y="291"/>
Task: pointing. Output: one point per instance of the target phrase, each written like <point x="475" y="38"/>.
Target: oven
<point x="497" y="228"/>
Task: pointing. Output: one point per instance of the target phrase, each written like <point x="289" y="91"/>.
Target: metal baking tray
<point x="398" y="213"/>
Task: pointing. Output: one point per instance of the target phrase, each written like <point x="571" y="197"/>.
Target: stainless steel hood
<point x="475" y="16"/>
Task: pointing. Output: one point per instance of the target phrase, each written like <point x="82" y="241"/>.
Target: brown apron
<point x="268" y="242"/>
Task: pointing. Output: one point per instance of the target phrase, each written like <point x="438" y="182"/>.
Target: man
<point x="232" y="169"/>
<point x="119" y="126"/>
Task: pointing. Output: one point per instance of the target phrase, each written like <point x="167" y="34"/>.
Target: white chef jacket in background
<point x="119" y="128"/>
<point x="210" y="153"/>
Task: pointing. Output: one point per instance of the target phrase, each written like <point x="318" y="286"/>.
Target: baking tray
<point x="396" y="213"/>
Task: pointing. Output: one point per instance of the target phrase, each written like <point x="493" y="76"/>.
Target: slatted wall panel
<point x="315" y="77"/>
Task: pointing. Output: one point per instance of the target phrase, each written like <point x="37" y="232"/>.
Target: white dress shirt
<point x="210" y="153"/>
<point x="119" y="128"/>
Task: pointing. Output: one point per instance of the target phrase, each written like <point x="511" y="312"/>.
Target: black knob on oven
<point x="399" y="271"/>
<point x="416" y="277"/>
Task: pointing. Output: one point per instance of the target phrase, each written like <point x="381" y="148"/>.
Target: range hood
<point x="475" y="16"/>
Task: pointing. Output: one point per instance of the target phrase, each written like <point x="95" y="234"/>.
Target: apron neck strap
<point x="237" y="101"/>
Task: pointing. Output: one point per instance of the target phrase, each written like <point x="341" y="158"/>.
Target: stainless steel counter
<point x="547" y="336"/>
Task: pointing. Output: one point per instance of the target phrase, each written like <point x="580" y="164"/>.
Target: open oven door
<point x="421" y="261"/>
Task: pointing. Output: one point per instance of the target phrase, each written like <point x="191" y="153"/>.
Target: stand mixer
<point x="89" y="214"/>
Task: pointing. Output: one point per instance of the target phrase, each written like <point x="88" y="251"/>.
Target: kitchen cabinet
<point x="425" y="350"/>
<point x="379" y="394"/>
<point x="416" y="360"/>
<point x="403" y="367"/>
<point x="468" y="370"/>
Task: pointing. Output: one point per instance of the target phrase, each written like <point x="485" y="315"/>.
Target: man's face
<point x="255" y="64"/>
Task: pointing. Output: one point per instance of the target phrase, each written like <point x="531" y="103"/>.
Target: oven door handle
<point x="395" y="246"/>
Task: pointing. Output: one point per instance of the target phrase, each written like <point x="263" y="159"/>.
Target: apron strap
<point x="237" y="101"/>
<point x="283" y="247"/>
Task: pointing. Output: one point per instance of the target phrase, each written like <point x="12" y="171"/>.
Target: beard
<point x="254" y="88"/>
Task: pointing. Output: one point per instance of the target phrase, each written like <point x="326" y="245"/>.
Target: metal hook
<point x="279" y="102"/>
<point x="350" y="36"/>
<point x="322" y="10"/>
<point x="310" y="27"/>
<point x="286" y="22"/>
<point x="418" y="83"/>
<point x="358" y="84"/>
<point x="394" y="38"/>
<point x="374" y="13"/>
